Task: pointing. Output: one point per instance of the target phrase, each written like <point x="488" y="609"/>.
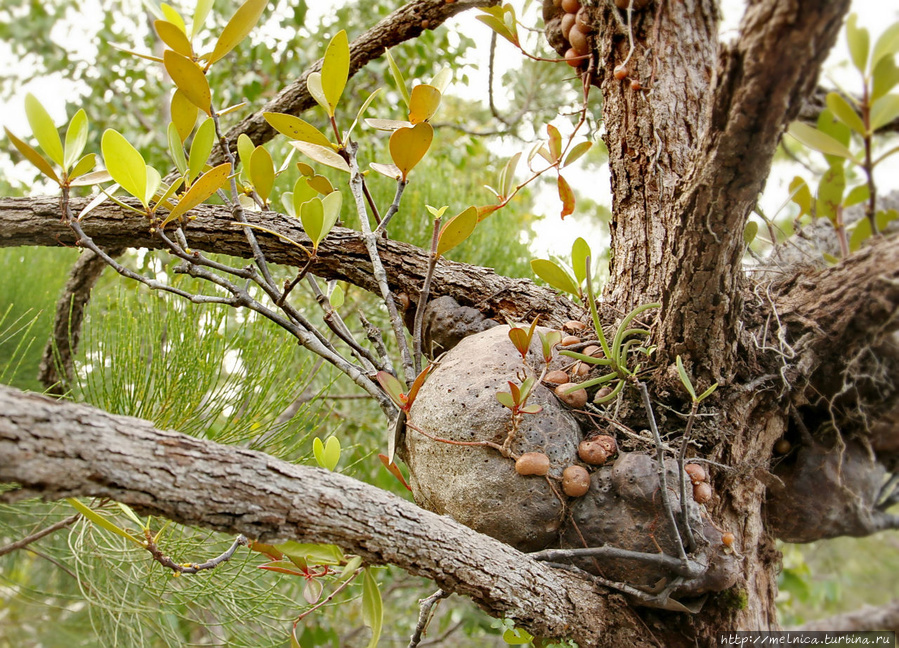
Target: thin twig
<point x="423" y="298"/>
<point x="426" y="608"/>
<point x="192" y="568"/>
<point x="37" y="535"/>
<point x="688" y="531"/>
<point x="394" y="206"/>
<point x="688" y="570"/>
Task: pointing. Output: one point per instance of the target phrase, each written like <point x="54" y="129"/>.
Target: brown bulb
<point x="578" y="40"/>
<point x="621" y="72"/>
<point x="532" y="463"/>
<point x="575" y="481"/>
<point x="576" y="399"/>
<point x="695" y="472"/>
<point x="556" y="377"/>
<point x="571" y="6"/>
<point x="568" y="21"/>
<point x="574" y="326"/>
<point x="702" y="492"/>
<point x="592" y="452"/>
<point x="568" y="340"/>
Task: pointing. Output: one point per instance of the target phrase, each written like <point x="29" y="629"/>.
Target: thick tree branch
<point x="56" y="449"/>
<point x="406" y="23"/>
<point x="867" y="618"/>
<point x="342" y="255"/>
<point x="761" y="83"/>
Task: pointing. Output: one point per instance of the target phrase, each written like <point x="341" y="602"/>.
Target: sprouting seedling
<point x="522" y="337"/>
<point x="327" y="454"/>
<point x="396" y="391"/>
<point x="688" y="384"/>
<point x="517" y="397"/>
<point x="548" y="341"/>
<point x="560" y="278"/>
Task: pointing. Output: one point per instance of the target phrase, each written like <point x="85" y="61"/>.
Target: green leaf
<point x="302" y="193"/>
<point x="685" y="379"/>
<point x="33" y="156"/>
<point x="372" y="607"/>
<point x="750" y="232"/>
<point x="125" y="164"/>
<point x="129" y="512"/>
<point x="858" y="195"/>
<point x="173" y="16"/>
<point x="331" y="206"/>
<point x="580" y="252"/>
<point x="312" y="216"/>
<point x="456" y="230"/>
<point x="499" y="27"/>
<point x="295" y="128"/>
<point x="362" y="110"/>
<point x="238" y="28"/>
<point x="189" y="79"/>
<point x="184" y="114"/>
<point x="102" y="521"/>
<point x="442" y="79"/>
<point x="392" y="387"/>
<point x="206" y="185"/>
<point x="245" y="149"/>
<point x="517" y="637"/>
<point x="819" y="141"/>
<point x="708" y="392"/>
<point x="409" y="145"/>
<point x="884" y="110"/>
<point x="830" y="193"/>
<point x="153" y="182"/>
<point x="200" y="13"/>
<point x="548" y="341"/>
<point x="327" y="456"/>
<point x="860" y="233"/>
<point x="76" y="138"/>
<point x="801" y="195"/>
<point x="505" y="399"/>
<point x="398" y="78"/>
<point x="845" y="113"/>
<point x="174" y="37"/>
<point x="262" y="172"/>
<point x="337" y="297"/>
<point x="84" y="165"/>
<point x="566" y="195"/>
<point x="423" y="103"/>
<point x="576" y="152"/>
<point x="887" y="44"/>
<point x="555" y="276"/>
<point x="176" y="149"/>
<point x="324" y="155"/>
<point x="335" y="69"/>
<point x="507" y="177"/>
<point x="314" y="86"/>
<point x="884" y="78"/>
<point x="859" y="43"/>
<point x="44" y="130"/>
<point x="200" y="148"/>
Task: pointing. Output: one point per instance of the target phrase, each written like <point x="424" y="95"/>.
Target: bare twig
<point x="426" y="608"/>
<point x="37" y="535"/>
<point x="192" y="568"/>
<point x="423" y="298"/>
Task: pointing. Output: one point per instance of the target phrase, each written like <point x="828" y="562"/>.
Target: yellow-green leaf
<point x="125" y="164"/>
<point x="335" y="69"/>
<point x="176" y="149"/>
<point x="337" y="297"/>
<point x="88" y="179"/>
<point x="314" y="86"/>
<point x="580" y="252"/>
<point x="101" y="520"/>
<point x="184" y="114"/>
<point x="174" y="37"/>
<point x="887" y="45"/>
<point x="845" y="113"/>
<point x="83" y="165"/>
<point x="749" y="233"/>
<point x="818" y="140"/>
<point x="33" y="156"/>
<point x="442" y="79"/>
<point x="200" y="13"/>
<point x="884" y="110"/>
<point x="372" y="607"/>
<point x="240" y="25"/>
<point x="497" y="25"/>
<point x="507" y="176"/>
<point x="576" y="152"/>
<point x="312" y="215"/>
<point x="552" y="274"/>
<point x="456" y="230"/>
<point x="154" y="179"/>
<point x="325" y="155"/>
<point x="884" y="77"/>
<point x="173" y="16"/>
<point x="388" y="124"/>
<point x="206" y="185"/>
<point x="398" y="77"/>
<point x="423" y="103"/>
<point x="801" y="195"/>
<point x="262" y="172"/>
<point x="189" y="79"/>
<point x="302" y="193"/>
<point x="331" y="206"/>
<point x="245" y="149"/>
<point x="859" y="43"/>
<point x="555" y="142"/>
<point x="327" y="455"/>
<point x="296" y="128"/>
<point x="409" y="145"/>
<point x="44" y="130"/>
<point x="76" y="138"/>
<point x="389" y="170"/>
<point x="200" y="148"/>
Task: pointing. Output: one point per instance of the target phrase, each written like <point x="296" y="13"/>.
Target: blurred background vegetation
<point x="235" y="378"/>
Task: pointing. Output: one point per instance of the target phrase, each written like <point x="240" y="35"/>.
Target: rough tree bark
<point x="688" y="160"/>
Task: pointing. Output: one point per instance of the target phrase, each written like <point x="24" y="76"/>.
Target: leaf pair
<point x="327" y="86"/>
<point x="517" y="397"/>
<point x="327" y="454"/>
<point x="395" y="389"/>
<point x="558" y="277"/>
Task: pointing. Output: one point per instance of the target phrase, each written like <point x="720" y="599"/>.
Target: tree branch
<point x="867" y="618"/>
<point x="342" y="255"/>
<point x="56" y="449"/>
<point x="406" y="23"/>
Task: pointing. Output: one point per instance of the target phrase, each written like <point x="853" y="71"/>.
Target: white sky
<point x="553" y="235"/>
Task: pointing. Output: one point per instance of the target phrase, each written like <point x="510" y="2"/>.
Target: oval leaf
<point x="176" y="149"/>
<point x="372" y="607"/>
<point x="566" y="195"/>
<point x="325" y="155"/>
<point x="201" y="147"/>
<point x="302" y="193"/>
<point x="206" y="185"/>
<point x="423" y="103"/>
<point x="884" y="110"/>
<point x="389" y="170"/>
<point x="555" y="143"/>
<point x="331" y="212"/>
<point x="398" y="77"/>
<point x="245" y="149"/>
<point x="887" y="44"/>
<point x="189" y="79"/>
<point x="125" y="164"/>
<point x="388" y="124"/>
<point x="576" y="152"/>
<point x="33" y="156"/>
<point x="312" y="215"/>
<point x="184" y="114"/>
<point x="262" y="172"/>
<point x="884" y="78"/>
<point x="456" y="230"/>
<point x="76" y="138"/>
<point x="335" y="69"/>
<point x="172" y="36"/>
<point x="295" y="128"/>
<point x="240" y="25"/>
<point x="200" y="13"/>
<point x="44" y="130"/>
<point x="84" y="165"/>
<point x="580" y="252"/>
<point x="314" y="86"/>
<point x="409" y="145"/>
<point x="859" y="43"/>
<point x="845" y="113"/>
<point x="819" y="141"/>
<point x="552" y="274"/>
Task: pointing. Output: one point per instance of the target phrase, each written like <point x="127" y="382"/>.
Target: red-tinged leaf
<point x="281" y="567"/>
<point x="505" y="399"/>
<point x="392" y="387"/>
<point x="566" y="195"/>
<point x="267" y="549"/>
<point x="515" y="391"/>
<point x="394" y="470"/>
<point x="189" y="79"/>
<point x="485" y="210"/>
<point x="312" y="591"/>
<point x="417" y="384"/>
<point x="519" y="338"/>
<point x="531" y="409"/>
<point x="33" y="156"/>
<point x="555" y="143"/>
